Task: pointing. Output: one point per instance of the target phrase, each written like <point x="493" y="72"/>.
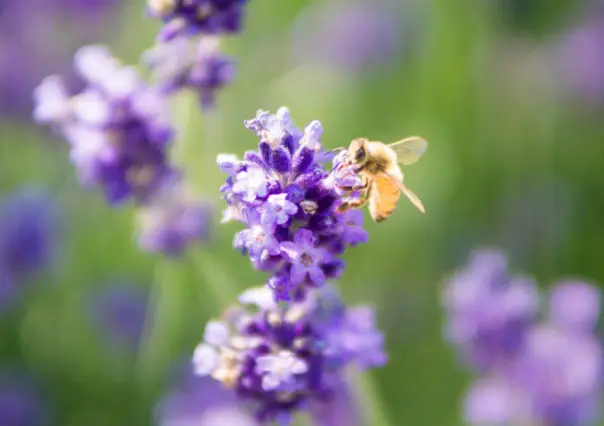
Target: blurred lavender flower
<point x="560" y="370"/>
<point x="117" y="127"/>
<point x="575" y="305"/>
<point x="202" y="401"/>
<point x="194" y="63"/>
<point x="29" y="221"/>
<point x="172" y="220"/>
<point x="349" y="36"/>
<point x="24" y="24"/>
<point x="288" y="202"/>
<point x="553" y="375"/>
<point x="488" y="312"/>
<point x="20" y="403"/>
<point x="579" y="59"/>
<point x="119" y="310"/>
<point x="193" y="17"/>
<point x="286" y="357"/>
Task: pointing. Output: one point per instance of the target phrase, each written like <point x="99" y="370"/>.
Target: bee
<point x="377" y="164"/>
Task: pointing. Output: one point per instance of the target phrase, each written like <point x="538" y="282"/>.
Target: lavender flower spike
<point x="29" y="222"/>
<point x="285" y="357"/>
<point x="488" y="311"/>
<point x="533" y="371"/>
<point x="288" y="203"/>
<point x="197" y="16"/>
<point x="172" y="220"/>
<point x="193" y="63"/>
<point x="117" y="127"/>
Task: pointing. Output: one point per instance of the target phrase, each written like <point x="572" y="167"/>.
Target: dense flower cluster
<point x="117" y="127"/>
<point x="533" y="371"/>
<point x="192" y="17"/>
<point x="282" y="357"/>
<point x="193" y="63"/>
<point x="288" y="202"/>
<point x="288" y="347"/>
<point x="119" y="132"/>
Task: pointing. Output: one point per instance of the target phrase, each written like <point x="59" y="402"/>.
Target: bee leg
<point x="363" y="185"/>
<point x="356" y="203"/>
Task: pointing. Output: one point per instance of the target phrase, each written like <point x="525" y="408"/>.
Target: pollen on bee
<point x="161" y="7"/>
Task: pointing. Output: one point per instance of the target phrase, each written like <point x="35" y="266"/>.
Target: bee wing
<point x="408" y="193"/>
<point x="409" y="150"/>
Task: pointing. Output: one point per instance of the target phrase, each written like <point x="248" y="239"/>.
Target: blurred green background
<point x="514" y="161"/>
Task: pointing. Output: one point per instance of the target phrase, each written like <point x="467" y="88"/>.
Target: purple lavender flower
<point x="172" y="220"/>
<point x="117" y="127"/>
<point x="494" y="401"/>
<point x="488" y="312"/>
<point x="20" y="402"/>
<point x="285" y="357"/>
<point x="574" y="304"/>
<point x="288" y="203"/>
<point x="349" y="36"/>
<point x="197" y="16"/>
<point x="202" y="401"/>
<point x="29" y="221"/>
<point x="119" y="310"/>
<point x="579" y="59"/>
<point x="561" y="372"/>
<point x="193" y="63"/>
<point x="553" y="374"/>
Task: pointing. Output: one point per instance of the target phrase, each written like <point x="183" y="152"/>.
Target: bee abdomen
<point x="384" y="198"/>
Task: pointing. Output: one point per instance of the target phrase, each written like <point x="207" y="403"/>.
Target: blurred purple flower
<point x="195" y="63"/>
<point x="29" y="221"/>
<point x="20" y="402"/>
<point x="349" y="35"/>
<point x="172" y="220"/>
<point x="553" y="375"/>
<point x="23" y="25"/>
<point x="285" y="357"/>
<point x="579" y="59"/>
<point x="561" y="372"/>
<point x="197" y="16"/>
<point x="202" y="401"/>
<point x="343" y="408"/>
<point x="288" y="202"/>
<point x="494" y="401"/>
<point x="488" y="312"/>
<point x="119" y="310"/>
<point x="575" y="305"/>
<point x="117" y="127"/>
